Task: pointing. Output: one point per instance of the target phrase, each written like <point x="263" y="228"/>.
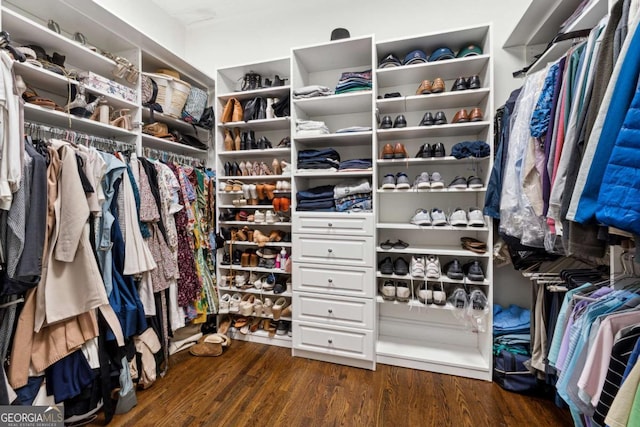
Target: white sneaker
<point x="252" y="192"/>
<point x="234" y="303"/>
<point x="425" y="295"/>
<point x="476" y="219"/>
<point x="417" y="266"/>
<point x="225" y="300"/>
<point x="458" y="218"/>
<point x="279" y="185"/>
<point x="286" y="168"/>
<point x="438" y="218"/>
<point x="258" y="216"/>
<point x="421" y="217"/>
<point x="246" y="191"/>
<point x="403" y="293"/>
<point x="270" y="217"/>
<point x="433" y="267"/>
<point x="422" y="181"/>
<point x="388" y="290"/>
<point x="286" y="186"/>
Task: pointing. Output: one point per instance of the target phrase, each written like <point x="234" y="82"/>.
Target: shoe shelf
<point x="429" y="160"/>
<point x="433" y="102"/>
<point x="262" y="337"/>
<point x="240" y="242"/>
<point x="258" y="292"/>
<point x="266" y="92"/>
<point x="279" y="123"/>
<point x="352" y="102"/>
<point x="255" y="178"/>
<point x="406" y="226"/>
<point x="149" y="141"/>
<point x="451" y="129"/>
<point x="237" y="267"/>
<point x="333" y="174"/>
<point x="441" y="279"/>
<point x="36" y="113"/>
<point x="24" y="30"/>
<point x="37" y="77"/>
<point x="415" y="303"/>
<point x="232" y="193"/>
<point x="251" y="206"/>
<point x="448" y="69"/>
<point x="434" y="250"/>
<point x="430" y="190"/>
<point x="337" y="139"/>
<point x="268" y="152"/>
<point x="268" y="224"/>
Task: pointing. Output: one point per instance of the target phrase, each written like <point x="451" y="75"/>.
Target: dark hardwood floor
<point x="259" y="385"/>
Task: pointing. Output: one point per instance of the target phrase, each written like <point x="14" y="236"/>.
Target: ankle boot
<point x="228" y="141"/>
<point x="243" y="141"/>
<point x="251" y="141"/>
<point x="227" y="169"/>
<point x="237" y="139"/>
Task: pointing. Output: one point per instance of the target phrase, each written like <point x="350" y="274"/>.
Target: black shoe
<point x="424" y="152"/>
<point x="440" y="118"/>
<point x="235" y="169"/>
<point x="400" y="122"/>
<point x="226" y="259"/>
<point x="227" y="169"/>
<point x="386" y="123"/>
<point x="237" y="255"/>
<point x="386" y="266"/>
<point x="474" y="82"/>
<point x="474" y="272"/>
<point x="392" y="95"/>
<point x="243" y="141"/>
<point x="460" y="84"/>
<point x="251" y="141"/>
<point x="427" y="119"/>
<point x="400" y="267"/>
<point x="453" y="270"/>
<point x="438" y="150"/>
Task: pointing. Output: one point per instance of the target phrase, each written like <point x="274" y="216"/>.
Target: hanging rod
<point x="36" y="130"/>
<point x="168" y="155"/>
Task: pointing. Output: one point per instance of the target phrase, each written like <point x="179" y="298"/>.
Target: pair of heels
<point x="254" y="169"/>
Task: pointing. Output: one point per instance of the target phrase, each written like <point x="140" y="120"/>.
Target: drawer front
<point x="334" y="280"/>
<point x="341" y="250"/>
<point x="349" y="224"/>
<point x="344" y="342"/>
<point x="330" y="310"/>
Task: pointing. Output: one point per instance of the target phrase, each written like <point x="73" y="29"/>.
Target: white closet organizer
<point x="333" y="252"/>
<point x="413" y="334"/>
<point x="26" y="22"/>
<point x="275" y="130"/>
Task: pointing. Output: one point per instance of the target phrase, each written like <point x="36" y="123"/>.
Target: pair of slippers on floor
<point x="212" y="345"/>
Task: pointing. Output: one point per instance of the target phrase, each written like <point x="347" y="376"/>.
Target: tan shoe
<point x="237" y="139"/>
<point x="424" y="88"/>
<point x="437" y="86"/>
<point x="461" y="117"/>
<point x="228" y="141"/>
<point x="275" y="164"/>
<point x="238" y="114"/>
<point x="476" y="115"/>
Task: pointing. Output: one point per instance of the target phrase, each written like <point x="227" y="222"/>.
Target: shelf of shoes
<point x="265" y="92"/>
<point x="429" y="160"/>
<point x="173" y="123"/>
<point x="150" y="141"/>
<point x="255" y="291"/>
<point x="450" y="129"/>
<point x="435" y="101"/>
<point x="278" y="123"/>
<point x="430" y="190"/>
<point x="442" y="279"/>
<point x="267" y="152"/>
<point x="407" y="226"/>
<point x="439" y="249"/>
<point x="262" y="337"/>
<point x="236" y="267"/>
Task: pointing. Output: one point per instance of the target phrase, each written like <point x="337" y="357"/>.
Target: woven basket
<point x="172" y="93"/>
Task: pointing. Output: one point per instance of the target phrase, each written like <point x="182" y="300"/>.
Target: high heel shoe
<point x="237" y="139"/>
<point x="286" y="168"/>
<point x="243" y="170"/>
<point x="121" y="118"/>
<point x="228" y="141"/>
<point x="264" y="169"/>
<point x="275" y="164"/>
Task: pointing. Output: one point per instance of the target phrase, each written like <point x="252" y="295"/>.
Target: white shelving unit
<point x="275" y="130"/>
<point x="333" y="266"/>
<point x="413" y="334"/>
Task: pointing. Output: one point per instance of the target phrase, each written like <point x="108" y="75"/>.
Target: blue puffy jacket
<point x="619" y="198"/>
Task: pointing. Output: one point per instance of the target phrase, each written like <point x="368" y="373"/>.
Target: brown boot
<point x="228" y="141"/>
<point x="268" y="191"/>
<point x="238" y="114"/>
<point x="227" y="113"/>
<point x="237" y="139"/>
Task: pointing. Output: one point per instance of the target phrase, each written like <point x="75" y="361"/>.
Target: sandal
<point x="210" y="345"/>
<point x="278" y="306"/>
<point x="122" y="119"/>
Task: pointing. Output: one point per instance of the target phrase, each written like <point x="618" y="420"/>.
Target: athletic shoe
<point x="386" y="266"/>
<point x="417" y="266"/>
<point x="389" y="182"/>
<point x="474" y="182"/>
<point x="422" y="181"/>
<point x="436" y="180"/>
<point x="476" y="219"/>
<point x="421" y="217"/>
<point x="400" y="267"/>
<point x="432" y="267"/>
<point x="403" y="293"/>
<point x="425" y="295"/>
<point x="459" y="183"/>
<point x="453" y="270"/>
<point x="458" y="218"/>
<point x="402" y="181"/>
<point x="388" y="290"/>
<point x="474" y="272"/>
<point x="438" y="218"/>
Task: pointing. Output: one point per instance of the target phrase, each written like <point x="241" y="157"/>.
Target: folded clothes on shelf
<point x="353" y="81"/>
<point x="355" y="165"/>
<point x="354" y="129"/>
<point x="311" y="127"/>
<point x="312" y="91"/>
<point x="356" y="203"/>
<point x="324" y="159"/>
<point x="352" y="187"/>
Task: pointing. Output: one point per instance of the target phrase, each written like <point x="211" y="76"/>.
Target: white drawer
<point x="332" y="310"/>
<point x="335" y="280"/>
<point x="346" y="342"/>
<point x="343" y="250"/>
<point x="352" y="224"/>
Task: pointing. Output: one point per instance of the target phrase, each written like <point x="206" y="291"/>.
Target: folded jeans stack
<point x="355" y="165"/>
<point x="354" y="81"/>
<point x="316" y="199"/>
<point x="312" y="91"/>
<point x="325" y="159"/>
<point x="353" y="196"/>
<point x="311" y="127"/>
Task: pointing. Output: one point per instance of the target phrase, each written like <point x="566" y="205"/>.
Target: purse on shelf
<point x="189" y="140"/>
<point x="207" y="119"/>
<point x="255" y="109"/>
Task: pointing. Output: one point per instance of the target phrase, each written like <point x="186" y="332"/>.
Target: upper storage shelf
<point x="230" y="78"/>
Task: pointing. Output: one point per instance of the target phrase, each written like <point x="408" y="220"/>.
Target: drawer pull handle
<point x="330" y="280"/>
<point x="330" y="224"/>
<point x="330" y="341"/>
<point x="330" y="311"/>
<point x="330" y="250"/>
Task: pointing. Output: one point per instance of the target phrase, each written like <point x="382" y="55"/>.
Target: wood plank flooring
<point x="259" y="385"/>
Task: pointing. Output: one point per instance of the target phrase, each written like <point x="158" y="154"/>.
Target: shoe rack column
<point x="434" y="91"/>
<point x="333" y="257"/>
<point x="253" y="201"/>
